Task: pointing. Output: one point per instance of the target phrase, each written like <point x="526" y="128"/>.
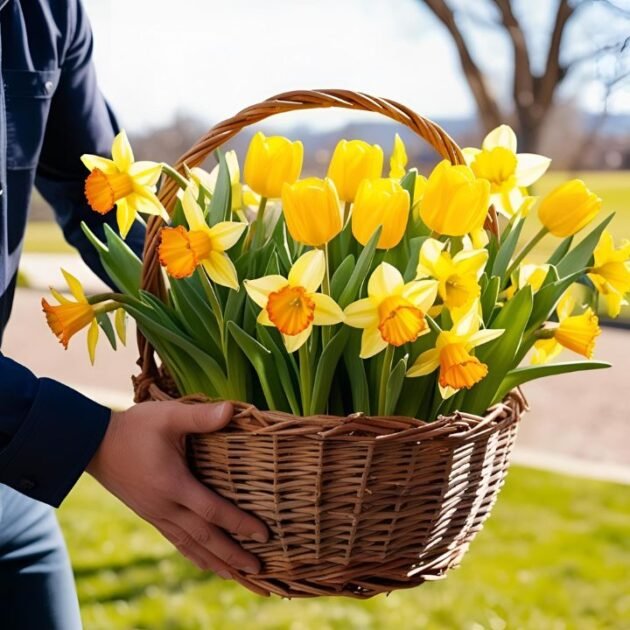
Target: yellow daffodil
<point x="272" y="162"/>
<point x="568" y="208"/>
<point x="575" y="332"/>
<point x="380" y="202"/>
<point x="458" y="276"/>
<point x="181" y="250"/>
<point x="69" y="317"/>
<point x="611" y="272"/>
<point x="455" y="202"/>
<point x="312" y="211"/>
<point x="351" y="163"/>
<point x="507" y="171"/>
<point x="291" y="304"/>
<point x="199" y="177"/>
<point x="123" y="183"/>
<point x="393" y="313"/>
<point x="398" y="160"/>
<point x="529" y="274"/>
<point x="452" y="354"/>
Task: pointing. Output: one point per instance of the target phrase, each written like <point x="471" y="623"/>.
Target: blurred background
<point x="556" y="553"/>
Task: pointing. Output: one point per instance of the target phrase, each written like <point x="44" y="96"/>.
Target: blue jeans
<point x="36" y="583"/>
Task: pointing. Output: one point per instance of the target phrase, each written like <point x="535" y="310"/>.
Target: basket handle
<point x="219" y="134"/>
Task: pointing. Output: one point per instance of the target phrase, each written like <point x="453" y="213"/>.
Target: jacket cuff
<point x="54" y="444"/>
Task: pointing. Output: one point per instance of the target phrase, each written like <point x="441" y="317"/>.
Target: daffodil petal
<point x="122" y="154"/>
<point x="92" y="340"/>
<point x="308" y="271"/>
<point x="545" y="350"/>
<point x="468" y="322"/>
<point x="96" y="161"/>
<point x="471" y="260"/>
<point x="430" y="254"/>
<point x="145" y="173"/>
<point x="327" y="311"/>
<point x="294" y="342"/>
<point x="421" y="294"/>
<point x="371" y="343"/>
<point x="125" y="216"/>
<point x="385" y="280"/>
<point x="221" y="270"/>
<point x="263" y="318"/>
<point x="259" y="289"/>
<point x="565" y="306"/>
<point x="484" y="336"/>
<point x="225" y="234"/>
<point x="427" y="362"/>
<point x="74" y="285"/>
<point x="530" y="167"/>
<point x="447" y="391"/>
<point x="502" y="136"/>
<point x="120" y="322"/>
<point x="470" y="153"/>
<point x="362" y="314"/>
<point x="192" y="211"/>
<point x="58" y="296"/>
<point x="144" y="201"/>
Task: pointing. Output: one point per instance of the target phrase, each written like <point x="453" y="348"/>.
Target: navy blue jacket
<point x="51" y="112"/>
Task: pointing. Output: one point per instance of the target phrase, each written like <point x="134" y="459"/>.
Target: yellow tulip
<point x="451" y="355"/>
<point x="568" y="208"/>
<point x="455" y="202"/>
<point x="351" y="163"/>
<point x="123" y="183"/>
<point x="380" y="202"/>
<point x="312" y="211"/>
<point x="292" y="304"/>
<point x="611" y="272"/>
<point x="508" y="172"/>
<point x="398" y="160"/>
<point x="393" y="313"/>
<point x="270" y="163"/>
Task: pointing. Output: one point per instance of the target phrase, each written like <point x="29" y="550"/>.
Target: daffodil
<point x="454" y="202"/>
<point x="352" y="162"/>
<point x="574" y="332"/>
<point x="272" y="162"/>
<point x="459" y="368"/>
<point x="529" y="274"/>
<point x="568" y="208"/>
<point x="380" y="202"/>
<point x="393" y="313"/>
<point x="292" y="304"/>
<point x="611" y="272"/>
<point x="507" y="171"/>
<point x="312" y="211"/>
<point x="200" y="177"/>
<point x="181" y="250"/>
<point x="398" y="159"/>
<point x="69" y="317"/>
<point x="124" y="183"/>
<point x="458" y="275"/>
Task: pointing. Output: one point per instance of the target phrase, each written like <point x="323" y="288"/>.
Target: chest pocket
<point x="27" y="97"/>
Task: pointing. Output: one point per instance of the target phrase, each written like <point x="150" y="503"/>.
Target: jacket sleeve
<point x="48" y="433"/>
<point x="80" y="121"/>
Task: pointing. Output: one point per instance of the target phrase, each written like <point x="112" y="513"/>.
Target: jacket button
<point x="48" y="86"/>
<point x="26" y="484"/>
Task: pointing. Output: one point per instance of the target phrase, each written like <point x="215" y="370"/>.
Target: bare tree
<point x="532" y="92"/>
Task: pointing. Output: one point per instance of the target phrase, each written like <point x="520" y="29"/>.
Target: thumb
<point x="200" y="418"/>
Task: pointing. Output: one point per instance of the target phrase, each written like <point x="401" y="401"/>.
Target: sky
<point x="211" y="58"/>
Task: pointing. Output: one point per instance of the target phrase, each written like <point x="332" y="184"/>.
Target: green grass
<point x="554" y="554"/>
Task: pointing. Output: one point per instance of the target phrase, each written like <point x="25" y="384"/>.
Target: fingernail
<point x="250" y="568"/>
<point x="224" y="574"/>
<point x="261" y="538"/>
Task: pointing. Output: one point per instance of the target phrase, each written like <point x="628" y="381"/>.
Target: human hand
<point x="142" y="461"/>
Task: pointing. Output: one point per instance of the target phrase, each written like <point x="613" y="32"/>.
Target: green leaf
<point x="489" y="297"/>
<point x="521" y="375"/>
<point x="548" y="295"/>
<point x="221" y="203"/>
<point x="561" y="251"/>
<point x="415" y="245"/>
<point x="106" y="325"/>
<point x="395" y="385"/>
<point x="355" y="368"/>
<point x="577" y="259"/>
<point x="360" y="272"/>
<point x="341" y="276"/>
<point x="506" y="251"/>
<point x="326" y="370"/>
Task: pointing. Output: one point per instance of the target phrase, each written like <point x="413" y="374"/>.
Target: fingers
<point x="213" y="508"/>
<point x="198" y="533"/>
<point x="199" y="418"/>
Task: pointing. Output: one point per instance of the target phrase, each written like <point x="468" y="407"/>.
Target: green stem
<point x="326" y="330"/>
<point x="259" y="225"/>
<point x="215" y="305"/>
<point x="386" y="369"/>
<point x="175" y="175"/>
<point x="305" y="378"/>
<point x="346" y="212"/>
<point x="526" y="249"/>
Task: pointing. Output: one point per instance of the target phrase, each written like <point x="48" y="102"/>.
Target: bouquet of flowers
<point x="363" y="292"/>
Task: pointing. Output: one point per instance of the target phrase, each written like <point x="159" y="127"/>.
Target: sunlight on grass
<point x="554" y="554"/>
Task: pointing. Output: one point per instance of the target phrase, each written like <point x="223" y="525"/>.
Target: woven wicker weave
<point x="360" y="505"/>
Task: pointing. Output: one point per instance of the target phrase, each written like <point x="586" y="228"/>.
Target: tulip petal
<point x="75" y="286"/>
<point x="308" y="271"/>
<point x="372" y="343"/>
<point x="426" y="363"/>
<point x="145" y="173"/>
<point x="225" y="234"/>
<point x="502" y="136"/>
<point x="484" y="336"/>
<point x="421" y="294"/>
<point x="327" y="311"/>
<point x="385" y="280"/>
<point x="530" y="167"/>
<point x="192" y="211"/>
<point x="294" y="342"/>
<point x="92" y="340"/>
<point x="96" y="161"/>
<point x="362" y="314"/>
<point x="259" y="289"/>
<point x="125" y="216"/>
<point x="221" y="270"/>
<point x="122" y="154"/>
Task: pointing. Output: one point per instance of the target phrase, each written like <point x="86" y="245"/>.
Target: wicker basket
<point x="356" y="506"/>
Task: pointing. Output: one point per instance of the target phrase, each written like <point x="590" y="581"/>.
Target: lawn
<point x="554" y="554"/>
